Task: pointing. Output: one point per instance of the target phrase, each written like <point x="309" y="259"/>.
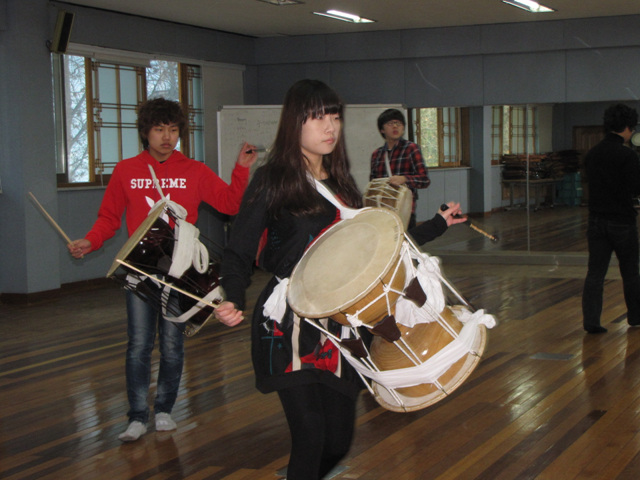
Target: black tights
<point x="321" y="421"/>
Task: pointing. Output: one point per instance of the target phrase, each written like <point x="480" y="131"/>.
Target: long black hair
<point x="285" y="177"/>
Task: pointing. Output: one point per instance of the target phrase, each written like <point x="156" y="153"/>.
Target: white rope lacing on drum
<point x="387" y="289"/>
<point x="428" y="274"/>
<point x="434" y="367"/>
<point x="406" y="311"/>
<point x="346" y="332"/>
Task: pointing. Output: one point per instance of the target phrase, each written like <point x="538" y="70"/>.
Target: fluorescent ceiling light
<point x="529" y="6"/>
<point x="282" y="2"/>
<point x="345" y="17"/>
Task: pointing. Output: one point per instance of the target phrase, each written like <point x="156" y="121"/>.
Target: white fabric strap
<point x="276" y="304"/>
<point x="345" y="212"/>
<point x="386" y="162"/>
<point x="156" y="183"/>
<point x="178" y="210"/>
<point x="434" y="367"/>
<point x="296" y="361"/>
<point x="430" y="279"/>
<point x="187" y="251"/>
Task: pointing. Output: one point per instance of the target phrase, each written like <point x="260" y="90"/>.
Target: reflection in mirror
<point x="538" y="191"/>
<point x="443" y="134"/>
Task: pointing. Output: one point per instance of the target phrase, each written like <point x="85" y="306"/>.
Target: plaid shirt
<point x="404" y="159"/>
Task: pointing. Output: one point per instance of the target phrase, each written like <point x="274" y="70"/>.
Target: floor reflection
<point x="558" y="229"/>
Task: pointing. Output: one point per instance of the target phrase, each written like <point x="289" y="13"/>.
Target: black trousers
<point x="412" y="221"/>
<point x="321" y="421"/>
<point x="605" y="237"/>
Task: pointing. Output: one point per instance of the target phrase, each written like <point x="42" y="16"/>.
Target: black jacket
<point x="613" y="173"/>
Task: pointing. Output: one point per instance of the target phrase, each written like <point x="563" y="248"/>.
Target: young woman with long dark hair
<point x="285" y="208"/>
<point x="281" y="213"/>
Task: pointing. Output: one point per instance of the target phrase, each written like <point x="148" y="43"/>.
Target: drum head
<point x="135" y="238"/>
<point x="345" y="262"/>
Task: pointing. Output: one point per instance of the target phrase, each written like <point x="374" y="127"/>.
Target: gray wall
<point x="546" y="62"/>
<point x="542" y="62"/>
<point x="537" y="62"/>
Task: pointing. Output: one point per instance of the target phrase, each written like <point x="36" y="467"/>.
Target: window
<point x="95" y="110"/>
<point x="513" y="131"/>
<point x="441" y="132"/>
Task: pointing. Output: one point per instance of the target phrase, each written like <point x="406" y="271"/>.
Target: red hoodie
<point x="182" y="180"/>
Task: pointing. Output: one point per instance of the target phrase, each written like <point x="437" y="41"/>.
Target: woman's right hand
<point x="228" y="314"/>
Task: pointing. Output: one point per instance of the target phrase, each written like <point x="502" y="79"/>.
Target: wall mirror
<point x="538" y="188"/>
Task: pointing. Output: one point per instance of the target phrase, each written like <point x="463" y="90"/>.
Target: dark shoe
<point x="595" y="329"/>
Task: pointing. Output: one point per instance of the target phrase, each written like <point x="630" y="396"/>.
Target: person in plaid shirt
<point x="405" y="162"/>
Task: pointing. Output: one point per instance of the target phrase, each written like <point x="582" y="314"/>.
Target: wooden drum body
<point x="365" y="273"/>
<point x="380" y="193"/>
<point x="148" y="253"/>
<point x="425" y="341"/>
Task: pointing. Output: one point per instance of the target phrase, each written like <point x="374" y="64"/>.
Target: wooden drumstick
<point x="167" y="284"/>
<point x="48" y="217"/>
<point x="494" y="239"/>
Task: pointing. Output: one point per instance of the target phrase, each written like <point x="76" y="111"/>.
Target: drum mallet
<point x="50" y="218"/>
<point x="494" y="239"/>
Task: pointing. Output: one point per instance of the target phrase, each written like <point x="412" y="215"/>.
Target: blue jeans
<point x="142" y="320"/>
<point x="605" y="237"/>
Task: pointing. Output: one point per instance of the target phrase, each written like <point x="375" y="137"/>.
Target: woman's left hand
<point x="228" y="314"/>
<point x="451" y="214"/>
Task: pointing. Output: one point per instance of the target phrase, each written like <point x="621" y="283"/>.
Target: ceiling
<point x="259" y="19"/>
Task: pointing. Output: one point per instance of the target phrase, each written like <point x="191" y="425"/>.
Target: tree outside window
<point x="441" y="134"/>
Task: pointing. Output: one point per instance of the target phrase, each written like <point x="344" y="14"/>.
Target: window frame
<point x="139" y="62"/>
<point x="524" y="132"/>
<point x="458" y="135"/>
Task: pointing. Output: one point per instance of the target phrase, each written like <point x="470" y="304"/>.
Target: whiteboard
<point x="258" y="124"/>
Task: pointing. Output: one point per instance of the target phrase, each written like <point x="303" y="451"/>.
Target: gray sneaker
<point x="164" y="422"/>
<point x="133" y="432"/>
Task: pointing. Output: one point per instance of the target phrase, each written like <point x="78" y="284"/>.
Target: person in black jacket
<point x="613" y="175"/>
<point x="283" y="210"/>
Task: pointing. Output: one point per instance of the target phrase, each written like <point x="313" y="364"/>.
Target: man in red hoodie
<point x="132" y="189"/>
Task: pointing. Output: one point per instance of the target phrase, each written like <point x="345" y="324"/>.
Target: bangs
<point x="323" y="103"/>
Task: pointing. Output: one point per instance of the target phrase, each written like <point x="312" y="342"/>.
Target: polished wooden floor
<point x="546" y="401"/>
